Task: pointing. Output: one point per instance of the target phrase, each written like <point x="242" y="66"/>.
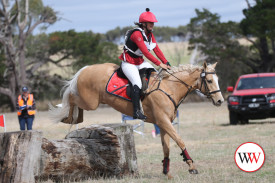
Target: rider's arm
<point x="158" y="52"/>
<point x="137" y="38"/>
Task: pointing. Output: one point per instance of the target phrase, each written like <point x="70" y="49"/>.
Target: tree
<point x="162" y="34"/>
<point x="117" y="35"/>
<point x="17" y="23"/>
<point x="85" y="48"/>
<point x="218" y="42"/>
<point x="258" y="27"/>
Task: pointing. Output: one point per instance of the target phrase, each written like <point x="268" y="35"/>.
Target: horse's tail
<point x="62" y="110"/>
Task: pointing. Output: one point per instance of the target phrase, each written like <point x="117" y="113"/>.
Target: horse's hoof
<point x="79" y="121"/>
<point x="193" y="171"/>
<point x="67" y="120"/>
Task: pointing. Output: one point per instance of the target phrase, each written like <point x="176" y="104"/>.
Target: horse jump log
<point x="95" y="151"/>
<point x="20" y="156"/>
<point x="90" y="152"/>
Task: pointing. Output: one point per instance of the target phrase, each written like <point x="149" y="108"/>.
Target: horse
<point x="166" y="91"/>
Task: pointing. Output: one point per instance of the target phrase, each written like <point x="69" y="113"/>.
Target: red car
<point x="253" y="98"/>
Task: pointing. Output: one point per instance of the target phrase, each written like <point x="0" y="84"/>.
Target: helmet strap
<point x="148" y="32"/>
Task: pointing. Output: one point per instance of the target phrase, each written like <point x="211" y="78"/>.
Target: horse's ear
<point x="204" y="65"/>
<point x="214" y="65"/>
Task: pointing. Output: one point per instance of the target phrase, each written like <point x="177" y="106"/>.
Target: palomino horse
<point x="165" y="93"/>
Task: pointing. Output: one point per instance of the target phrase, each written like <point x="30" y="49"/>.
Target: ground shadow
<point x="261" y="122"/>
<point x="254" y="122"/>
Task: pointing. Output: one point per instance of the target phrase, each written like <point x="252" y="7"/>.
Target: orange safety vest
<point x="29" y="103"/>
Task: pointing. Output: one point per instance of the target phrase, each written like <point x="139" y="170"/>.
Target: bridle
<point x="203" y="83"/>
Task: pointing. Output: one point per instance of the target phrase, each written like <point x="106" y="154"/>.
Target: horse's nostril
<point x="219" y="102"/>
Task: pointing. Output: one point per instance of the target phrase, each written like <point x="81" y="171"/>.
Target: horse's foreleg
<point x="189" y="161"/>
<point x="165" y="140"/>
<point x="168" y="128"/>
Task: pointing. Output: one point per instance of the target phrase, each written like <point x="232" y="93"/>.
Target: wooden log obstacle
<point x="91" y="152"/>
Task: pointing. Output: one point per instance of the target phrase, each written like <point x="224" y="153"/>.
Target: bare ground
<point x="211" y="143"/>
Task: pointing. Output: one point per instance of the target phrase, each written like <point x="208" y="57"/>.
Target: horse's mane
<point x="181" y="68"/>
<point x="189" y="68"/>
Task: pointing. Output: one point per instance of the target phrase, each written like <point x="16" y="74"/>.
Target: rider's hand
<point x="164" y="66"/>
<point x="169" y="65"/>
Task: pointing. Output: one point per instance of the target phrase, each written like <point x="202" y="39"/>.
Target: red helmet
<point x="147" y="17"/>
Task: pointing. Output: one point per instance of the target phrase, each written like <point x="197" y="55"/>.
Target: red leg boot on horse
<point x="137" y="114"/>
<point x="189" y="161"/>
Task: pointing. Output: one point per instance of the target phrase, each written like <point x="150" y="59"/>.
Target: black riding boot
<point x="135" y="98"/>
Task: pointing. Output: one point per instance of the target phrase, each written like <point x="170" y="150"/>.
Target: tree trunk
<point x="16" y="16"/>
<point x="13" y="99"/>
<point x="21" y="60"/>
<point x="91" y="152"/>
<point x="20" y="154"/>
<point x="95" y="151"/>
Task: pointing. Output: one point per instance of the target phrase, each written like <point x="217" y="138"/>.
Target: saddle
<point x="118" y="84"/>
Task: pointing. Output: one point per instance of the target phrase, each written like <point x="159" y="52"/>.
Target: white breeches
<point x="131" y="71"/>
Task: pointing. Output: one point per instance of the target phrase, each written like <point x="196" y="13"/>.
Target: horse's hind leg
<point x="75" y="101"/>
<point x="168" y="128"/>
<point x="69" y="118"/>
<point x="165" y="140"/>
<point x="80" y="116"/>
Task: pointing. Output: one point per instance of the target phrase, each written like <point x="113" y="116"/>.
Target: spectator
<point x="156" y="132"/>
<point x="25" y="109"/>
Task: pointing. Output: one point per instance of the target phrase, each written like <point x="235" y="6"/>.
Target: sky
<point x="101" y="16"/>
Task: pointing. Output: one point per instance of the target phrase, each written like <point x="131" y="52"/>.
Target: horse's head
<point x="208" y="84"/>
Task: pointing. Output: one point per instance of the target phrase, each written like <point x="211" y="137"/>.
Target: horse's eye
<point x="209" y="81"/>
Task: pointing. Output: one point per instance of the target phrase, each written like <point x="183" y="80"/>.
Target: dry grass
<point x="176" y="52"/>
<point x="211" y="142"/>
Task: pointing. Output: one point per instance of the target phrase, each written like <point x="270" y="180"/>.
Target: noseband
<point x="204" y="84"/>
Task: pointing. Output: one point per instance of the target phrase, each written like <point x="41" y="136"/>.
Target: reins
<point x="203" y="83"/>
<point x="169" y="96"/>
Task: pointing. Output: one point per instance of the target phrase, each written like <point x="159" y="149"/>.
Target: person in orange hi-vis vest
<point x="25" y="109"/>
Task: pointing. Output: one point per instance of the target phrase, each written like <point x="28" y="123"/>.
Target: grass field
<point x="211" y="143"/>
<point x="176" y="52"/>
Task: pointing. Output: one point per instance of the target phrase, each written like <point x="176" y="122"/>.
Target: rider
<point x="138" y="42"/>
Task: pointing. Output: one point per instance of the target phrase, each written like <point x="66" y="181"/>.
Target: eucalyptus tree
<point x="18" y="20"/>
<point x="217" y="41"/>
<point x="84" y="48"/>
<point x="258" y="27"/>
